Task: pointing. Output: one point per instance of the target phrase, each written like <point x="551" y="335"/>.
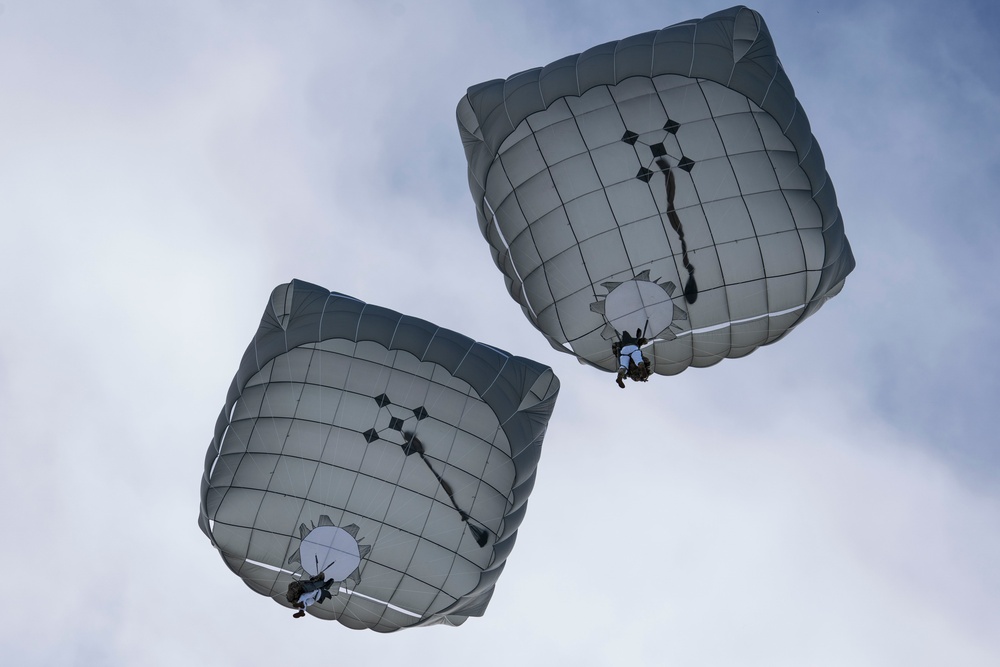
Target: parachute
<point x="392" y="455"/>
<point x="667" y="183"/>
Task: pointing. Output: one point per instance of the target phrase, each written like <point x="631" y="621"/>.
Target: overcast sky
<point x="830" y="500"/>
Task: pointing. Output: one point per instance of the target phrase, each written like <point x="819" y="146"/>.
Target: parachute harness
<point x="635" y="372"/>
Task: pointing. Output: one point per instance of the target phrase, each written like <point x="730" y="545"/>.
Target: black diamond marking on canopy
<point x="686" y="163"/>
<point x="394" y="417"/>
<point x="370" y="435"/>
<point x="658" y="151"/>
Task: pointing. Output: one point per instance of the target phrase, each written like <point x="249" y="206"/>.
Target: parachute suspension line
<point x="690" y="287"/>
<point x="642" y="335"/>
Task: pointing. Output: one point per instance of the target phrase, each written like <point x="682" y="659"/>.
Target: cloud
<point x="827" y="500"/>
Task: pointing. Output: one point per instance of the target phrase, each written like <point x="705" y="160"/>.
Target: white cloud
<point x="162" y="172"/>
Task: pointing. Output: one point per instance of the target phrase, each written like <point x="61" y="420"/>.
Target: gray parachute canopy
<point x="668" y="182"/>
<point x="392" y="455"/>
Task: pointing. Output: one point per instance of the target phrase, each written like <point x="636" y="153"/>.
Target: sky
<point x="829" y="500"/>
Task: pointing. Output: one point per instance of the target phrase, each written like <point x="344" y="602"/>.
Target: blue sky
<point x="829" y="500"/>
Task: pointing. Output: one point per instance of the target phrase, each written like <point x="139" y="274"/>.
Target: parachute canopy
<point x="392" y="455"/>
<point x="669" y="183"/>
